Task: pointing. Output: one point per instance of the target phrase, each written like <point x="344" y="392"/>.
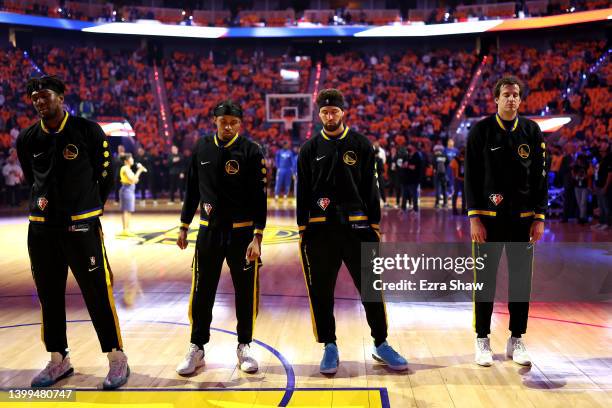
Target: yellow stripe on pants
<point x="109" y="290"/>
<point x="312" y="316"/>
<point x="194" y="269"/>
<point x="255" y="296"/>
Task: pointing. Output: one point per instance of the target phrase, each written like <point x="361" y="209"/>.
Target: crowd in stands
<point x="191" y="79"/>
<point x="243" y="16"/>
<point x="402" y="101"/>
<point x="397" y="96"/>
<point x="106" y="84"/>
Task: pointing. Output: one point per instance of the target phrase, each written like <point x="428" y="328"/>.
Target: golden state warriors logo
<point x="232" y="167"/>
<point x="350" y="158"/>
<point x="523" y="151"/>
<point x="71" y="152"/>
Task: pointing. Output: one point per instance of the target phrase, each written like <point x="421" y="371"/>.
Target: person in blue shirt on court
<point x="284" y="170"/>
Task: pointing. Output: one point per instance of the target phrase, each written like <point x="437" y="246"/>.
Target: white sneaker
<point x="246" y="362"/>
<point x="193" y="359"/>
<point x="118" y="370"/>
<point x="56" y="369"/>
<point x="484" y="355"/>
<point x="515" y="349"/>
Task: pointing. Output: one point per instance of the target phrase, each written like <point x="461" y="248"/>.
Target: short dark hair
<point x="50" y="82"/>
<point x="331" y="97"/>
<point x="508" y="80"/>
<point x="126" y="156"/>
<point x="228" y="107"/>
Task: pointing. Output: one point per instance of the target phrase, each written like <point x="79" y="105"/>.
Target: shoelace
<point x="50" y="366"/>
<point x="191" y="353"/>
<point x="519" y="346"/>
<point x="116" y="368"/>
<point x="246" y="353"/>
<point x="483" y="346"/>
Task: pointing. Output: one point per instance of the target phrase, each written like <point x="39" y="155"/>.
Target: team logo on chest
<point x="207" y="208"/>
<point x="350" y="158"/>
<point x="71" y="152"/>
<point x="42" y="203"/>
<point x="523" y="151"/>
<point x="232" y="167"/>
<point x="496" y="198"/>
<point x="323" y="203"/>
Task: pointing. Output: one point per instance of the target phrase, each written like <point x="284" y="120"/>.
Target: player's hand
<point x="536" y="231"/>
<point x="253" y="251"/>
<point x="181" y="241"/>
<point x="477" y="231"/>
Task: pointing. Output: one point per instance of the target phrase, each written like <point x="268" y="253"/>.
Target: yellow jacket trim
<point x="341" y="136"/>
<point x="242" y="224"/>
<point x="231" y="142"/>
<point x="501" y="124"/>
<point x="358" y="218"/>
<point x="482" y="212"/>
<point x="44" y="128"/>
<point x="36" y="219"/>
<point x="527" y="214"/>
<point x="316" y="219"/>
<point x="301" y="227"/>
<point x="539" y="217"/>
<point x="204" y="223"/>
<point x="375" y="226"/>
<point x="86" y="215"/>
<point x="257" y="231"/>
<point x="184" y="225"/>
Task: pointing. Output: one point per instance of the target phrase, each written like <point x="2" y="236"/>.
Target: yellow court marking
<point x="246" y="398"/>
<point x="272" y="235"/>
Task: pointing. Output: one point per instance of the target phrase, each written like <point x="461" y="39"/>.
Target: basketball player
<point x="227" y="180"/>
<point x="338" y="208"/>
<point x="67" y="162"/>
<point x="507" y="194"/>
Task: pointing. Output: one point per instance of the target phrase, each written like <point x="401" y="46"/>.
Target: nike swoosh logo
<point x="93" y="269"/>
<point x="37" y="154"/>
<point x="203" y="163"/>
<point x="247" y="268"/>
<point x="319" y="158"/>
<point x="495" y="148"/>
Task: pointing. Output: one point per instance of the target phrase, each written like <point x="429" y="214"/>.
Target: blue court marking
<point x="289" y="388"/>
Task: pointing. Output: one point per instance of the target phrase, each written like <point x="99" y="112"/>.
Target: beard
<point x="332" y="126"/>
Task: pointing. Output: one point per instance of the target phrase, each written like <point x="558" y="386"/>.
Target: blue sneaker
<point x="329" y="363"/>
<point x="385" y="354"/>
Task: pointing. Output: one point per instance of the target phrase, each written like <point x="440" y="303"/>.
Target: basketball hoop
<point x="288" y="121"/>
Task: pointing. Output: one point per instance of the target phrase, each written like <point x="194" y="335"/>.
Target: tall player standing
<point x="507" y="196"/>
<point x="338" y="209"/>
<point x="67" y="162"/>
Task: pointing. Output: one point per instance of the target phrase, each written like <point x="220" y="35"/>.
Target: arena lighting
<point x="552" y="124"/>
<point x="428" y="30"/>
<point x="289" y="74"/>
<point x="409" y="30"/>
<point x="164" y="30"/>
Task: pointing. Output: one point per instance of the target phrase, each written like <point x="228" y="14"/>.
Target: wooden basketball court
<point x="569" y="343"/>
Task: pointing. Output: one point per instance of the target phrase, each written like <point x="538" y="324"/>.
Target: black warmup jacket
<point x="337" y="181"/>
<point x="505" y="169"/>
<point x="69" y="170"/>
<point x="228" y="183"/>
